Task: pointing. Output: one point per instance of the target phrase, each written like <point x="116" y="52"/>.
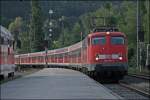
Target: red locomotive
<point x="7" y="66"/>
<point x="102" y="53"/>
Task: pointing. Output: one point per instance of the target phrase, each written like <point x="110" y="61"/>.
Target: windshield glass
<point x="99" y="40"/>
<point x="117" y="40"/>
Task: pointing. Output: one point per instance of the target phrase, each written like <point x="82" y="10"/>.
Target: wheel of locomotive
<point x="84" y="70"/>
<point x="92" y="74"/>
<point x="88" y="73"/>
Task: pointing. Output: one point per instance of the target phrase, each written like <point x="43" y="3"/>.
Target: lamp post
<point x="46" y="50"/>
<point x="148" y="57"/>
<point x="137" y="19"/>
<point x="50" y="22"/>
<point x="46" y="39"/>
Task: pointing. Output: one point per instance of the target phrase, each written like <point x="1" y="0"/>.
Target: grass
<point x="136" y="70"/>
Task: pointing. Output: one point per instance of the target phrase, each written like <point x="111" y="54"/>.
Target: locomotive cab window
<point x="117" y="40"/>
<point x="98" y="40"/>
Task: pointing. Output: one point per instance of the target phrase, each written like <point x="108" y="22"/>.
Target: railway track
<point x="125" y="91"/>
<point x="146" y="94"/>
<point x="130" y="87"/>
<point x="141" y="83"/>
<point x="146" y="77"/>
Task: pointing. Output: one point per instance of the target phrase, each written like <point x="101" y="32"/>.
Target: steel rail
<point x="134" y="89"/>
<point x="146" y="77"/>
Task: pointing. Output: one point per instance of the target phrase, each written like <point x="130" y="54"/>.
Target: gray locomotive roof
<point x="5" y="33"/>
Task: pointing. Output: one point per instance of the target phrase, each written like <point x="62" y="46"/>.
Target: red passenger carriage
<point x="7" y="66"/>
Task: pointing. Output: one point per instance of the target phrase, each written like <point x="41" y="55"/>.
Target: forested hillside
<point x="11" y="9"/>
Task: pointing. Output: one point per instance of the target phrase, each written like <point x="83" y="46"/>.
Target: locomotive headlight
<point x="120" y="58"/>
<point x="107" y="33"/>
<point x="96" y="58"/>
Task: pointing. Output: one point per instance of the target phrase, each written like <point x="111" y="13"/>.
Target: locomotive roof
<point x="5" y="33"/>
<point x="105" y="33"/>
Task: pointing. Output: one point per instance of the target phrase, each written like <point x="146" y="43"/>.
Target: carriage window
<point x="117" y="40"/>
<point x="99" y="40"/>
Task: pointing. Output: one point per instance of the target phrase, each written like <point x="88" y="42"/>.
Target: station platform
<point x="55" y="83"/>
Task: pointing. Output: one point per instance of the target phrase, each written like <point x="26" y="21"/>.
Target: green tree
<point x="36" y="32"/>
<point x="128" y="23"/>
<point x="56" y="44"/>
<point x="15" y="27"/>
<point x="146" y="20"/>
<point x="76" y="33"/>
<point x="5" y="21"/>
<point x="66" y="38"/>
<point x="25" y="39"/>
<point x="85" y="23"/>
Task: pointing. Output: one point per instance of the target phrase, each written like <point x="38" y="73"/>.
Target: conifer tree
<point x="36" y="32"/>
